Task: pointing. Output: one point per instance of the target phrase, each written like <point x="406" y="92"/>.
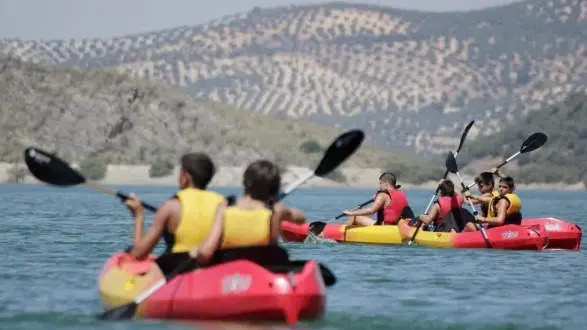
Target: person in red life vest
<point x="447" y="202"/>
<point x="390" y="205"/>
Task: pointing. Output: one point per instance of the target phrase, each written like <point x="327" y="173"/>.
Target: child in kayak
<point x="505" y="208"/>
<point x="254" y="221"/>
<point x="390" y="205"/>
<point x="184" y="220"/>
<point x="446" y="214"/>
<point x="486" y="185"/>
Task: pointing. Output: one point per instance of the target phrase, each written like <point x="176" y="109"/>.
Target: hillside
<point x="411" y="78"/>
<point x="561" y="159"/>
<point x="128" y="121"/>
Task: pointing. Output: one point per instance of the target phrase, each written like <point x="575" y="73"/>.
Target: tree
<point x="311" y="146"/>
<point x="93" y="167"/>
<point x="17" y="174"/>
<point x="160" y="168"/>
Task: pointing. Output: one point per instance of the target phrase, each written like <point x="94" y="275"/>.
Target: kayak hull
<point x="561" y="235"/>
<point x="510" y="237"/>
<point x="234" y="290"/>
<point x="293" y="232"/>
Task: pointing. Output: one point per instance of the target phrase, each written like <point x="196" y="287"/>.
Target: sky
<point x="64" y="19"/>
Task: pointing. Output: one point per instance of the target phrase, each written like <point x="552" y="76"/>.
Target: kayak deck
<point x="233" y="290"/>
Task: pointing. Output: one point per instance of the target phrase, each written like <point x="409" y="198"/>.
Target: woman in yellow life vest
<point x="505" y="208"/>
<point x="253" y="220"/>
<point x="184" y="220"/>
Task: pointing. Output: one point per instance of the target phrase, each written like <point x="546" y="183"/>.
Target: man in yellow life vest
<point x="253" y="221"/>
<point x="184" y="220"/>
<point x="505" y="208"/>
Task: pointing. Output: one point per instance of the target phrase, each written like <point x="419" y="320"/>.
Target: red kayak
<point x="560" y="234"/>
<point x="234" y="290"/>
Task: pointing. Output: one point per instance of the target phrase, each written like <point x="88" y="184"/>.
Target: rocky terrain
<point x="122" y="120"/>
<point x="413" y="79"/>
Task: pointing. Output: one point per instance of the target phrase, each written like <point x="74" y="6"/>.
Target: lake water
<point x="56" y="240"/>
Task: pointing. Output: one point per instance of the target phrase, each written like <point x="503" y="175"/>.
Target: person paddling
<point x="443" y="216"/>
<point x="390" y="205"/>
<point x="253" y="221"/>
<point x="184" y="220"/>
<point x="486" y="185"/>
<point x="505" y="208"/>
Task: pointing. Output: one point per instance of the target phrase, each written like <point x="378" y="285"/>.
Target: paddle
<point x="451" y="165"/>
<point x="317" y="227"/>
<point x="418" y="223"/>
<point x="533" y="142"/>
<point x="55" y="171"/>
<point x="343" y="147"/>
<point x="461" y="142"/>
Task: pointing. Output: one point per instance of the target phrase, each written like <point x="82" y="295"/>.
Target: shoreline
<point x="231" y="177"/>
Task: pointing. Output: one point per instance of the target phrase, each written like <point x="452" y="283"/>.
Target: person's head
<point x="506" y="185"/>
<point x="387" y="180"/>
<point x="197" y="170"/>
<point x="262" y="181"/>
<point x="485" y="182"/>
<point x="446" y="188"/>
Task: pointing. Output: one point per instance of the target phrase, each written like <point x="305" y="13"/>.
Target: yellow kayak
<point x="385" y="234"/>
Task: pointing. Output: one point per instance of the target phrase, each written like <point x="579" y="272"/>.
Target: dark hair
<point x="485" y="178"/>
<point x="389" y="177"/>
<point x="200" y="167"/>
<point x="446" y="188"/>
<point x="509" y="181"/>
<point x="262" y="181"/>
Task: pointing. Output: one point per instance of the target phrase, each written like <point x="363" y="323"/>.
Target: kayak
<point x="561" y="234"/>
<point x="511" y="237"/>
<point x="294" y="232"/>
<point x="234" y="290"/>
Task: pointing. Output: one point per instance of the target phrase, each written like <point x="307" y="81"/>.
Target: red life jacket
<point x="448" y="204"/>
<point x="394" y="210"/>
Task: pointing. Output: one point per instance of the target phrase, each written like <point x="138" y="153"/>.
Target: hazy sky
<point x="58" y="19"/>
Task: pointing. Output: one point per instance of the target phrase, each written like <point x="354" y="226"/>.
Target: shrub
<point x="311" y="146"/>
<point x="93" y="168"/>
<point x="160" y="168"/>
<point x="16" y="174"/>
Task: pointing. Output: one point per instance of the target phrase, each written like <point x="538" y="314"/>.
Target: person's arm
<point x="289" y="213"/>
<point x="429" y="218"/>
<point x="143" y="244"/>
<point x="376" y="206"/>
<point x="502" y="207"/>
<point x="206" y="250"/>
<point x="279" y="215"/>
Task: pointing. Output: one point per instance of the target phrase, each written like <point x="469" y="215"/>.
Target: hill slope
<point x="412" y="78"/>
<point x="561" y="159"/>
<point x="124" y="120"/>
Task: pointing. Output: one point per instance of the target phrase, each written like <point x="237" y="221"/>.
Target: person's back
<point x="252" y="222"/>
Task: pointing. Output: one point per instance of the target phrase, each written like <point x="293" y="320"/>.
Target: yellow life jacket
<point x="198" y="208"/>
<point x="513" y="214"/>
<point x="243" y="227"/>
<point x="485" y="207"/>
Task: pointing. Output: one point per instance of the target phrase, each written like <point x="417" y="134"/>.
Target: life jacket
<point x="198" y="208"/>
<point x="484" y="207"/>
<point x="396" y="209"/>
<point x="448" y="204"/>
<point x="513" y="214"/>
<point x="246" y="227"/>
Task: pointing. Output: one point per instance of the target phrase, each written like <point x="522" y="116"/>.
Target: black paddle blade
<point x="119" y="313"/>
<point x="533" y="142"/>
<point x="451" y="163"/>
<point x="317" y="227"/>
<point x="464" y="135"/>
<point x="50" y="168"/>
<point x="344" y="146"/>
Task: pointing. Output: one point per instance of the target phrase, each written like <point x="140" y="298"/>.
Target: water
<point x="57" y="239"/>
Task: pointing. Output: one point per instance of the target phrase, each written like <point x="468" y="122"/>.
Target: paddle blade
<point x="464" y="135"/>
<point x="119" y="313"/>
<point x="344" y="146"/>
<point x="533" y="142"/>
<point x="451" y="163"/>
<point x="51" y="169"/>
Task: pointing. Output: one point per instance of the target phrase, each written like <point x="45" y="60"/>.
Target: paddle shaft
<point x="475" y="213"/>
<point x="502" y="164"/>
<point x="356" y="208"/>
<point x="123" y="197"/>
